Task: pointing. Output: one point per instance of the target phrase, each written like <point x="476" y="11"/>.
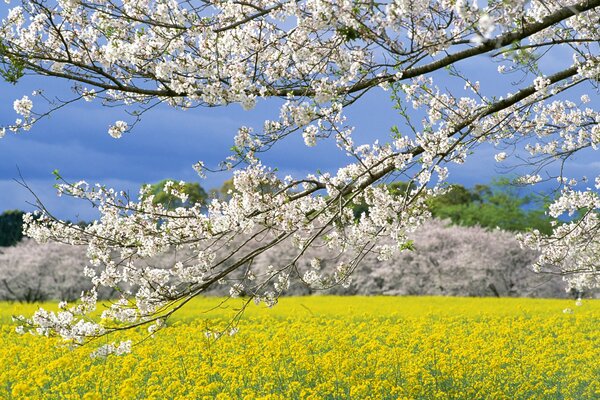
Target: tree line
<point x="447" y="260"/>
<point x="498" y="204"/>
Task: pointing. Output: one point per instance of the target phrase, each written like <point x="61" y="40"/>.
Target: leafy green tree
<point x="497" y="205"/>
<point x="224" y="192"/>
<point x="456" y="195"/>
<point x="398" y="188"/>
<point x="195" y="192"/>
<point x="11" y="227"/>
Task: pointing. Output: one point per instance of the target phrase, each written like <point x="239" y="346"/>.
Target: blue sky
<point x="167" y="142"/>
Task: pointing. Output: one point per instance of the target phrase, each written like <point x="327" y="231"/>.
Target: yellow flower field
<point x="328" y="348"/>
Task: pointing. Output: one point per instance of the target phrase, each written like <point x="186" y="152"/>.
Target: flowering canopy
<point x="318" y="57"/>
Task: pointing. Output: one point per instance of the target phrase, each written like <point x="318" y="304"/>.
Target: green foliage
<point x="398" y="189"/>
<point x="227" y="189"/>
<point x="195" y="192"/>
<point x="348" y="33"/>
<point x="12" y="67"/>
<point x="359" y="209"/>
<point x="401" y="189"/>
<point x="224" y="192"/>
<point x="498" y="205"/>
<point x="11" y="227"/>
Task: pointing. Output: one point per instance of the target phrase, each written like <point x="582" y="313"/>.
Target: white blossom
<point x="500" y="157"/>
<point x="118" y="129"/>
<point x="23" y="106"/>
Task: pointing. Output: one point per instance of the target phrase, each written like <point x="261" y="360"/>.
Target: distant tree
<point x="11" y="227"/>
<point x="481" y="190"/>
<point x="497" y="205"/>
<point x="456" y="195"/>
<point x="446" y="260"/>
<point x="224" y="192"/>
<point x="168" y="193"/>
<point x="398" y="189"/>
<point x="32" y="272"/>
<point x="227" y="189"/>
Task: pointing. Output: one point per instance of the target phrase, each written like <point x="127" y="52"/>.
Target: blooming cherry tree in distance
<point x="317" y="58"/>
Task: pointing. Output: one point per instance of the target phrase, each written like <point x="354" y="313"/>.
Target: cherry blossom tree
<point x="317" y="58"/>
<point x="32" y="272"/>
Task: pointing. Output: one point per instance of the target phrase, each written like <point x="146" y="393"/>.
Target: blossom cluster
<point x="573" y="246"/>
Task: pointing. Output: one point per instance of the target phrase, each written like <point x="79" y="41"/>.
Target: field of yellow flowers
<point x="328" y="348"/>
